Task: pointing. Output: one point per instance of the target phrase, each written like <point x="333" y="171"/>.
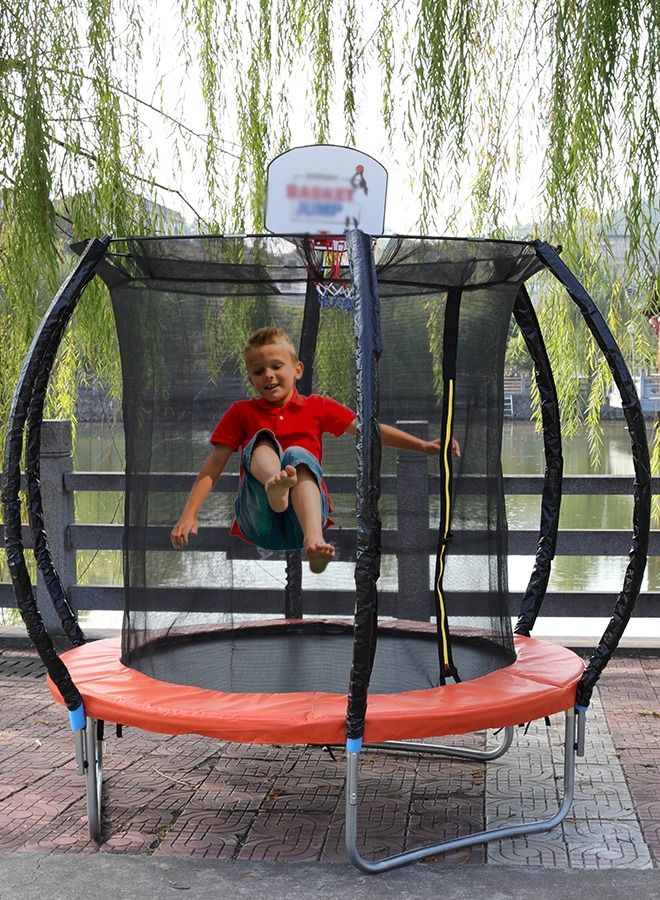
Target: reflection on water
<point x="522" y="451"/>
<point x="101" y="448"/>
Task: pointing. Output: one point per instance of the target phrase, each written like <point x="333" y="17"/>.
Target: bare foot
<point x="278" y="487"/>
<point x="319" y="555"/>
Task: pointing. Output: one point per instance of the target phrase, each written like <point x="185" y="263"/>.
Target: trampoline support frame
<point x="447" y="750"/>
<point x="481" y="837"/>
<point x="89" y="759"/>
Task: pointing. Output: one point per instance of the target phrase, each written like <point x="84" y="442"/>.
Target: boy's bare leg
<point x="306" y="500"/>
<point x="266" y="468"/>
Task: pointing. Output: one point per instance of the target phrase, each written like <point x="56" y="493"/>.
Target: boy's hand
<point x="432" y="448"/>
<point x="186" y="525"/>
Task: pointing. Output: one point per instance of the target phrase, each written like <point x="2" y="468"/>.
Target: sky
<point x="180" y="96"/>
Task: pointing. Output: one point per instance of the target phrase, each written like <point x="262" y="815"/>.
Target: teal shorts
<point x="260" y="524"/>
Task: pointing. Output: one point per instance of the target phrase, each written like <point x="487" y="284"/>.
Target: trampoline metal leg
<point x="481" y="837"/>
<point x="79" y="738"/>
<point x="93" y="767"/>
<point x="446" y="750"/>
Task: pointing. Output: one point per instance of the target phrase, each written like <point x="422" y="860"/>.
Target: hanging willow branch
<point x="461" y="99"/>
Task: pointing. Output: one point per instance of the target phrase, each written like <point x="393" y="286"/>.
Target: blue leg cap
<point x="77" y="718"/>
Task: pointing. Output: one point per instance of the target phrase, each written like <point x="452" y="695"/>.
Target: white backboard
<point x="325" y="189"/>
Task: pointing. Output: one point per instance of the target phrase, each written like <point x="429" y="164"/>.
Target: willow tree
<point x="473" y="104"/>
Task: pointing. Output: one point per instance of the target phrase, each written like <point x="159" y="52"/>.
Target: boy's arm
<point x="211" y="470"/>
<point x="394" y="437"/>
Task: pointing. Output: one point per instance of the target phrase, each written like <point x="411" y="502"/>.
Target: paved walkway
<point x="185" y="798"/>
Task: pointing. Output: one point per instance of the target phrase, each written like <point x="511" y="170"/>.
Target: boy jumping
<point x="282" y="501"/>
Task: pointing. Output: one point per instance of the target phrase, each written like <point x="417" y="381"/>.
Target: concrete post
<point x="56" y="460"/>
<point x="412" y="494"/>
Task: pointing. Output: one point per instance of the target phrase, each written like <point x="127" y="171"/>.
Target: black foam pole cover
<point x="52" y="324"/>
<point x="525" y="316"/>
<point x="40" y="544"/>
<point x="368" y="453"/>
<point x="640" y="453"/>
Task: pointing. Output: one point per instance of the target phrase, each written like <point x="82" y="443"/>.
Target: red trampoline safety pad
<point x="541" y="681"/>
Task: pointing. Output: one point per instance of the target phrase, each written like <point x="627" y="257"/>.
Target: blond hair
<point x="270" y="335"/>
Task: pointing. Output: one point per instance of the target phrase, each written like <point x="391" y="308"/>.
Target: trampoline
<point x="208" y="649"/>
<point x="539" y="683"/>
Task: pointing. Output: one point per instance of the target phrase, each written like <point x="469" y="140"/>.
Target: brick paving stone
<point x="438" y="774"/>
<point x="598" y="773"/>
<point x="651" y="832"/>
<point x="253" y="770"/>
<point x="511" y="781"/>
<point x="594" y="845"/>
<point x="392" y="766"/>
<point x="264" y="752"/>
<point x="384" y="818"/>
<point x="152" y="823"/>
<point x="292" y="836"/>
<point x="206" y="833"/>
<point x="427" y="795"/>
<point x="431" y="813"/>
<point x="175" y="796"/>
<point x="122" y="800"/>
<point x="630" y="691"/>
<point x="302" y="797"/>
<point x="22" y="827"/>
<point x="644" y="775"/>
<point x="444" y="824"/>
<point x="127" y="842"/>
<point x="374" y="790"/>
<point x="602" y="801"/>
<point x="547" y="850"/>
<point x="419" y="836"/>
<point x="606" y="802"/>
<point x="381" y="833"/>
<point x="535" y="801"/>
<point x="237" y="797"/>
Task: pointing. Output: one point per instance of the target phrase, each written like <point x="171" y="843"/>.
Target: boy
<point x="282" y="502"/>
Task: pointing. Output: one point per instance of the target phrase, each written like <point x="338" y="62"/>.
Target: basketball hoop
<point x="333" y="291"/>
<point x="323" y="190"/>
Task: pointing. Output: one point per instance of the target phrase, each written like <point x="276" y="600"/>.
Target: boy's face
<point x="273" y="372"/>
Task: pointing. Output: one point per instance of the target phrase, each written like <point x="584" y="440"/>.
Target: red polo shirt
<point x="301" y="423"/>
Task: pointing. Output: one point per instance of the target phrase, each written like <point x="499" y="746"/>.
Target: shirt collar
<point x="297" y="400"/>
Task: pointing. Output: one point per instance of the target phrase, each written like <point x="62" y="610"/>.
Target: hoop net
<point x="333" y="292"/>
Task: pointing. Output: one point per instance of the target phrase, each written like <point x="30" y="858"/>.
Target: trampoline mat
<point x="286" y="657"/>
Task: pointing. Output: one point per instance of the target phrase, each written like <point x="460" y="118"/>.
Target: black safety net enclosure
<point x="407" y="633"/>
<point x="240" y="618"/>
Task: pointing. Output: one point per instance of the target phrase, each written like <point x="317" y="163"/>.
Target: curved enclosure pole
<point x="40" y="544"/>
<point x="52" y="324"/>
<point x="52" y="338"/>
<point x="526" y="320"/>
<point x="640" y="452"/>
<point x="368" y="452"/>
